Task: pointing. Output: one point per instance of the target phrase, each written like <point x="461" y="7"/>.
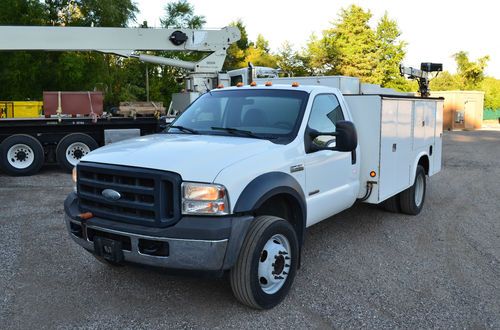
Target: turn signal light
<point x="85" y="216"/>
<point x="373" y="174"/>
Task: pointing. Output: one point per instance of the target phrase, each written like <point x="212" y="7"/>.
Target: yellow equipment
<point x="20" y="109"/>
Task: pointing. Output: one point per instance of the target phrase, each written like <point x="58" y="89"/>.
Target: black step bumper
<point x="193" y="243"/>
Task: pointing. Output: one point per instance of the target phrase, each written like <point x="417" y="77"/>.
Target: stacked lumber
<point x="141" y="109"/>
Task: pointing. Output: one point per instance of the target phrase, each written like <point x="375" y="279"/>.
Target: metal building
<point x="462" y="109"/>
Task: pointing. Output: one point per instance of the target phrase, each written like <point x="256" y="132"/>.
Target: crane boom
<point x="126" y="42"/>
<point x="123" y="41"/>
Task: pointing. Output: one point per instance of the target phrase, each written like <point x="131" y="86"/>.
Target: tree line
<point x="348" y="47"/>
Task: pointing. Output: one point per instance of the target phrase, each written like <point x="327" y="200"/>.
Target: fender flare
<point x="268" y="185"/>
<point x="415" y="163"/>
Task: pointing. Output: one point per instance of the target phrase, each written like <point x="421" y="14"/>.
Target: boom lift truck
<point x="27" y="143"/>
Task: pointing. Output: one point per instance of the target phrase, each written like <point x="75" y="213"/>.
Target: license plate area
<point x="108" y="249"/>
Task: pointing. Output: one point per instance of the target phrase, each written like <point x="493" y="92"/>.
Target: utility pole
<point x="147" y="83"/>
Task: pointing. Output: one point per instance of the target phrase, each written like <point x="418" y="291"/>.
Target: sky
<point x="434" y="30"/>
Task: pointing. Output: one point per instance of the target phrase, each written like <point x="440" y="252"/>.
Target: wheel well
<point x="284" y="206"/>
<point x="424" y="161"/>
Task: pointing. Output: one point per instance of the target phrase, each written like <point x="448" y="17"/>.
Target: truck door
<point x="331" y="178"/>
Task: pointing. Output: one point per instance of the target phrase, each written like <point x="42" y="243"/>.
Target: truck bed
<point x="393" y="133"/>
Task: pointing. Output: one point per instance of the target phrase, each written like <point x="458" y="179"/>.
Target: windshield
<point x="268" y="114"/>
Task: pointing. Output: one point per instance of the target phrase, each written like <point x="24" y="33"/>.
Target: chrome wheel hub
<point x="76" y="151"/>
<point x="419" y="190"/>
<point x="274" y="264"/>
<point x="20" y="156"/>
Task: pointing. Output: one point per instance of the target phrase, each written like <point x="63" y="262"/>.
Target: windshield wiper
<point x="241" y="132"/>
<point x="184" y="129"/>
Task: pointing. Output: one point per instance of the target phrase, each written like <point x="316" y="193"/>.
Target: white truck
<point x="237" y="178"/>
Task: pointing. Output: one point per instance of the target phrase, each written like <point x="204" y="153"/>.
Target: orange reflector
<point x="253" y="84"/>
<point x="220" y="86"/>
<point x="269" y="83"/>
<point x="240" y="84"/>
<point x="86" y="215"/>
<point x="295" y="84"/>
<point x="373" y="174"/>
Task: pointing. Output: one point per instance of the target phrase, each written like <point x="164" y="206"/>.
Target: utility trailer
<point x="26" y="144"/>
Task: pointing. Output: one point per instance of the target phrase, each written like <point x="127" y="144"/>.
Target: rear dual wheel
<point x="411" y="200"/>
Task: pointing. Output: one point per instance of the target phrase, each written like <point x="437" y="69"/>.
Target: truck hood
<point x="194" y="157"/>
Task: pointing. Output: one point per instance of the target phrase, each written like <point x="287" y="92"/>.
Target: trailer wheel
<point x="21" y="154"/>
<point x="72" y="148"/>
<point x="266" y="266"/>
<point x="412" y="199"/>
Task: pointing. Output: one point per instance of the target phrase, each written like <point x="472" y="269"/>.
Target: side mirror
<point x="345" y="137"/>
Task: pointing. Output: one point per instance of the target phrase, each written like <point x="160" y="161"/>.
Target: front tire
<point x="266" y="267"/>
<point x="412" y="199"/>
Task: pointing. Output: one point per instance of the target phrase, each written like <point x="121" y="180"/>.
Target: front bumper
<point x="193" y="243"/>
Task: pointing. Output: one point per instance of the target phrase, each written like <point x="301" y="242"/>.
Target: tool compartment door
<point x="395" y="146"/>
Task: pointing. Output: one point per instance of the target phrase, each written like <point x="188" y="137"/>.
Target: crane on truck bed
<point x="25" y="144"/>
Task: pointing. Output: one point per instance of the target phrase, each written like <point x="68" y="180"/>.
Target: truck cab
<point x="233" y="182"/>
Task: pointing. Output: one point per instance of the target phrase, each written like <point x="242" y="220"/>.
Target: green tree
<point x="445" y="81"/>
<point x="353" y="43"/>
<point x="491" y="87"/>
<point x="259" y="53"/>
<point x="321" y="56"/>
<point x="236" y="52"/>
<point x="390" y="52"/>
<point x="290" y="61"/>
<point x="23" y="73"/>
<point x="180" y="14"/>
<point x="470" y="73"/>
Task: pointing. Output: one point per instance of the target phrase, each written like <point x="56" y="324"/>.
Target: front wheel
<point x="267" y="263"/>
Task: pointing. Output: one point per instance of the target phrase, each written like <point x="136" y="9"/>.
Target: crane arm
<point x="126" y="42"/>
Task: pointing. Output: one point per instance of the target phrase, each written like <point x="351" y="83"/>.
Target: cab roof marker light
<point x="253" y="84"/>
<point x="295" y="84"/>
<point x="240" y="84"/>
<point x="269" y="83"/>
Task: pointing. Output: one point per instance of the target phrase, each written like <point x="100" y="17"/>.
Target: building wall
<point x="462" y="104"/>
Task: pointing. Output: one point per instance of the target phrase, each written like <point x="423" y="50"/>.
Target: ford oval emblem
<point x="111" y="194"/>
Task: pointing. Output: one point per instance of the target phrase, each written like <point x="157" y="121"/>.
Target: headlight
<point x="204" y="199"/>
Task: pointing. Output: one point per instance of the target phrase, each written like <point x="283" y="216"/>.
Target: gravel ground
<point x="361" y="268"/>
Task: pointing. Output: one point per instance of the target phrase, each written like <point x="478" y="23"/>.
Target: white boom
<point x="129" y="42"/>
